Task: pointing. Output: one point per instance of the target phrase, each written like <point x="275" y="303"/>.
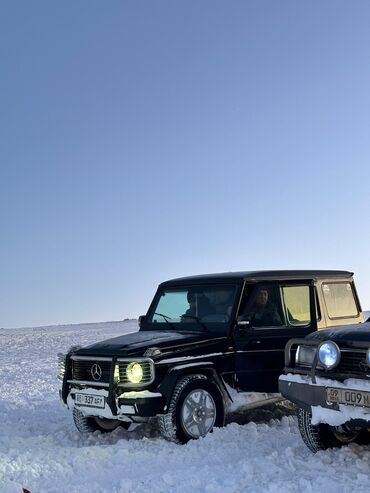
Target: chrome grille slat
<point x="82" y="382"/>
<point x="81" y="370"/>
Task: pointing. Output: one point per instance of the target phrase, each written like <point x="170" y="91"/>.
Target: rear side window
<point x="297" y="304"/>
<point x="340" y="300"/>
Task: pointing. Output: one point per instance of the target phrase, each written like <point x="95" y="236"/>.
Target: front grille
<point x="147" y="367"/>
<point x="353" y="362"/>
<point x="89" y="370"/>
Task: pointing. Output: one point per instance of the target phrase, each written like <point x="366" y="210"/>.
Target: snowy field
<point x="258" y="451"/>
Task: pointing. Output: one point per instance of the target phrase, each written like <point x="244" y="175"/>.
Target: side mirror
<point x="141" y="320"/>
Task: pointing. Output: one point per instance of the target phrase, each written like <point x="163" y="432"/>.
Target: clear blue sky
<point x="144" y="140"/>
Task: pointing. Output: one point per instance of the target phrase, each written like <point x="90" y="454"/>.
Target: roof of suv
<point x="265" y="275"/>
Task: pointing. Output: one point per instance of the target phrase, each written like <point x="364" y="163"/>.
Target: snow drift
<point x="41" y="450"/>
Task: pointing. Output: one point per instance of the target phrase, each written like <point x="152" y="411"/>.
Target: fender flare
<point x="169" y="381"/>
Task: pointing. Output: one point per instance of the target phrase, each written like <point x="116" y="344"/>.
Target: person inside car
<point x="263" y="312"/>
<point x="199" y="306"/>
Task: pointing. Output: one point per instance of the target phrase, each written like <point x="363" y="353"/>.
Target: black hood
<point x="136" y="343"/>
<point x="351" y="336"/>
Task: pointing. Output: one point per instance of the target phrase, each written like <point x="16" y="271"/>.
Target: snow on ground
<point x="258" y="451"/>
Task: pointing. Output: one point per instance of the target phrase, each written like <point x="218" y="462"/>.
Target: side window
<point x="297" y="304"/>
<point x="339" y="299"/>
<point x="263" y="308"/>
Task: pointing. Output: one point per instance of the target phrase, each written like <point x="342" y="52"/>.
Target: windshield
<point x="194" y="308"/>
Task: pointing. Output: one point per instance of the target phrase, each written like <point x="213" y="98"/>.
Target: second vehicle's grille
<point x="353" y="362"/>
<point x="91" y="370"/>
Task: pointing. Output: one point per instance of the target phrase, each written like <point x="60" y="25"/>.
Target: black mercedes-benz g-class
<point x="200" y="336"/>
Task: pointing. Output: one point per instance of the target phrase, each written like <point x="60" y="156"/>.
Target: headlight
<point x="134" y="372"/>
<point x="305" y="355"/>
<point x="329" y="354"/>
<point x="61" y="365"/>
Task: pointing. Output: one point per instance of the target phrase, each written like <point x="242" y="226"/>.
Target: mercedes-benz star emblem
<point x="96" y="371"/>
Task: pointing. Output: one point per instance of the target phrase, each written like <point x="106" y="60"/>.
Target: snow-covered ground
<point x="40" y="449"/>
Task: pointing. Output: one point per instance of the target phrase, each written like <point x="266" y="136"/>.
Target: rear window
<point x="340" y="300"/>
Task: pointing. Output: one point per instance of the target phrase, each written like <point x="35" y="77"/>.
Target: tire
<point x="323" y="436"/>
<point x="89" y="424"/>
<point x="195" y="408"/>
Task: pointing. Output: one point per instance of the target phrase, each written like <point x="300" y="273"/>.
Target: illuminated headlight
<point x="329" y="354"/>
<point x="368" y="357"/>
<point x="134" y="372"/>
<point x="305" y="355"/>
<point x="61" y="365"/>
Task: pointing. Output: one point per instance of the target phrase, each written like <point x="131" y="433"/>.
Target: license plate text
<point x="90" y="400"/>
<point x="351" y="397"/>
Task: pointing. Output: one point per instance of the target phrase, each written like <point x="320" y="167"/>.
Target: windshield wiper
<point x="204" y="327"/>
<point x="166" y="319"/>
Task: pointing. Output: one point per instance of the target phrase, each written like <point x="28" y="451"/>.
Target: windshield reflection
<point x="193" y="307"/>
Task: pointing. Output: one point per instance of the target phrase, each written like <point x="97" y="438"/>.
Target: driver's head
<point x="262" y="297"/>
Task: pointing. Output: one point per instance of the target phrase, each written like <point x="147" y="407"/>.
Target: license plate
<point x="90" y="400"/>
<point x="350" y="397"/>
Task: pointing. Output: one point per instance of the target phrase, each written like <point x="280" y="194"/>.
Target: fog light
<point x="305" y="356"/>
<point x="134" y="372"/>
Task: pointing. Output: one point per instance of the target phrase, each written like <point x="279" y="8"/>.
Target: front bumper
<point x="313" y="398"/>
<point x="128" y="406"/>
<point x="302" y="393"/>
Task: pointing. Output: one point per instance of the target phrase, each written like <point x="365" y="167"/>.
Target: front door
<point x="268" y="317"/>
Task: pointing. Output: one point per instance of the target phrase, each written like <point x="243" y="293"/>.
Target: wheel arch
<point x="174" y="373"/>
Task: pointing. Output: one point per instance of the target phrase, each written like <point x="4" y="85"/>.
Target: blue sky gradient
<point x="141" y="141"/>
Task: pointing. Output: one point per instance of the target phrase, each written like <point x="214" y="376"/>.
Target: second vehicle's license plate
<point x="90" y="400"/>
<point x="351" y="397"/>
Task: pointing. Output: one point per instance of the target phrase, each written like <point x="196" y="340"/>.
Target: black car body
<point x="200" y="336"/>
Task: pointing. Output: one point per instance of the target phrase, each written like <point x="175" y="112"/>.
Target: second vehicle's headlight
<point x="329" y="354"/>
<point x="305" y="355"/>
<point x="134" y="372"/>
